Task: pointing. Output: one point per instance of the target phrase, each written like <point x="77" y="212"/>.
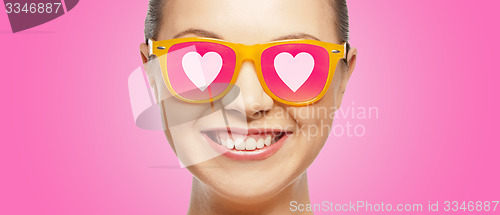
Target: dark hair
<point x="153" y="19"/>
<point x="155" y="11"/>
<point x="342" y="13"/>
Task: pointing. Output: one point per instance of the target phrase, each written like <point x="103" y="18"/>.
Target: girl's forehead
<point x="249" y="21"/>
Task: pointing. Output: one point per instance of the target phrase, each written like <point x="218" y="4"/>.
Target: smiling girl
<point x="237" y="81"/>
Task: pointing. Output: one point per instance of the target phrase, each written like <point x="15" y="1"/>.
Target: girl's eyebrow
<point x="208" y="34"/>
<point x="297" y="36"/>
<point x="199" y="32"/>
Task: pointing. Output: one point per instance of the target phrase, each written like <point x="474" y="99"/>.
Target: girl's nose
<point x="254" y="100"/>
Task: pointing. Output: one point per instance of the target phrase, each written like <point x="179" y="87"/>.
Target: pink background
<point x="70" y="146"/>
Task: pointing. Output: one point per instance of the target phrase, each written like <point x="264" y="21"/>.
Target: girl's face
<point x="300" y="131"/>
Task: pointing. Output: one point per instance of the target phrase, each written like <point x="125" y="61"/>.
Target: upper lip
<point x="250" y="131"/>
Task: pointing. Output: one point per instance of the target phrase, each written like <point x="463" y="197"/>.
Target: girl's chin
<point x="250" y="194"/>
<point x="244" y="185"/>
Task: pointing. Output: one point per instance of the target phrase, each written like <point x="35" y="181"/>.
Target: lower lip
<point x="258" y="154"/>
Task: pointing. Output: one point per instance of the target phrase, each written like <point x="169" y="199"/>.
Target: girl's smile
<point x="242" y="144"/>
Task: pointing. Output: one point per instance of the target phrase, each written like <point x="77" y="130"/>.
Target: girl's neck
<point x="206" y="201"/>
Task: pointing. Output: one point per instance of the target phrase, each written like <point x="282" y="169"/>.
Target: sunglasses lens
<point x="200" y="70"/>
<point x="295" y="72"/>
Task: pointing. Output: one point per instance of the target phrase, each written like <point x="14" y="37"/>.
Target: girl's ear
<point x="144" y="53"/>
<point x="144" y="50"/>
<point x="346" y="74"/>
<point x="351" y="60"/>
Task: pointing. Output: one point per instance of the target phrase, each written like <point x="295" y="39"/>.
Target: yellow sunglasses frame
<point x="248" y="52"/>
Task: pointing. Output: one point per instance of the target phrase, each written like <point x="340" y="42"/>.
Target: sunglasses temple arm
<point x="347" y="47"/>
<point x="150" y="46"/>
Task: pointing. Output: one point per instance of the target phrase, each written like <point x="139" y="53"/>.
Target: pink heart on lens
<point x="294" y="71"/>
<point x="202" y="71"/>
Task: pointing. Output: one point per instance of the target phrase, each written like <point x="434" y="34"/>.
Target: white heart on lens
<point x="202" y="71"/>
<point x="294" y="71"/>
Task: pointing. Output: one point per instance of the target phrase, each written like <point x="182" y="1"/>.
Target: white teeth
<point x="260" y="143"/>
<point x="267" y="141"/>
<point x="239" y="143"/>
<point x="250" y="144"/>
<point x="244" y="142"/>
<point x="230" y="144"/>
